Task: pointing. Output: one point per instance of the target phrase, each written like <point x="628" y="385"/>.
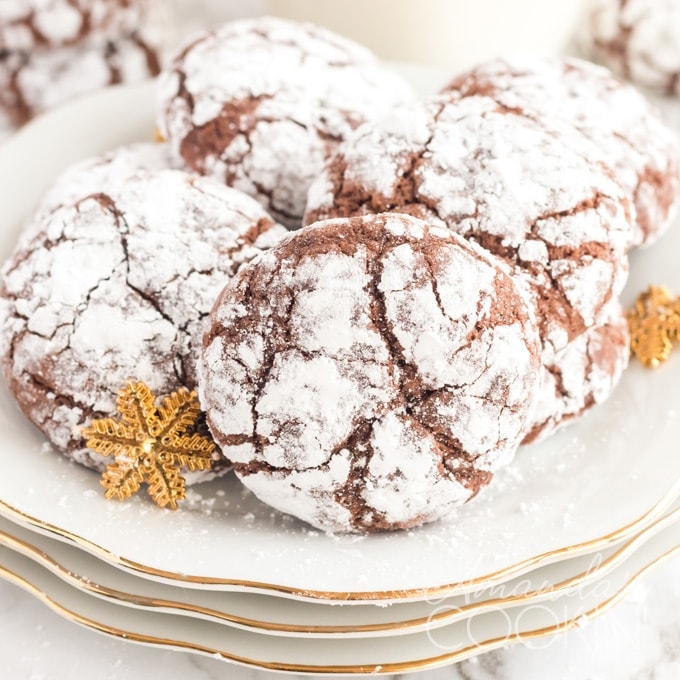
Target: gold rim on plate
<point x="443" y="614"/>
<point x="373" y="668"/>
<point x="449" y="589"/>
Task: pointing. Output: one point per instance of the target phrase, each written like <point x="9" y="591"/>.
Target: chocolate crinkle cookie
<point x="581" y="375"/>
<point x="369" y="374"/>
<point x="33" y="82"/>
<point x="30" y="24"/>
<point x="261" y="103"/>
<point x="115" y="286"/>
<point x="639" y="39"/>
<point x="614" y="116"/>
<point x="526" y="190"/>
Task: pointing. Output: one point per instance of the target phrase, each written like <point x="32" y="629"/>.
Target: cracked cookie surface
<point x="115" y="286"/>
<point x="30" y="24"/>
<point x="613" y="115"/>
<point x="33" y="82"/>
<point x="581" y="375"/>
<point x="639" y="39"/>
<point x="519" y="188"/>
<point x="369" y="374"/>
<point x="260" y="104"/>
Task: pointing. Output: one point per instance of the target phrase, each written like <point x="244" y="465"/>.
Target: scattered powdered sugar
<point x="260" y="104"/>
<point x="517" y="186"/>
<point x="115" y="286"/>
<point x="638" y="39"/>
<point x="581" y="375"/>
<point x="614" y="116"/>
<point x="369" y="374"/>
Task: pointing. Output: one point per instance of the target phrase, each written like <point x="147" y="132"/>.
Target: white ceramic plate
<point x="600" y="481"/>
<point x="417" y="651"/>
<point x="284" y="616"/>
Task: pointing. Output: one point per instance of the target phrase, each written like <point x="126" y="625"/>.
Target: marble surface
<point x="639" y="639"/>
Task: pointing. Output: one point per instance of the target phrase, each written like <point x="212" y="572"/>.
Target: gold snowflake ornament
<point x="150" y="444"/>
<point x="654" y="324"/>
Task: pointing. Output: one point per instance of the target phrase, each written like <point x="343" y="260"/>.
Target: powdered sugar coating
<point x="115" y="286"/>
<point x="29" y="24"/>
<point x="32" y="82"/>
<point x="614" y="116"/>
<point x="523" y="189"/>
<point x="639" y="39"/>
<point x="369" y="374"/>
<point x="260" y="104"/>
<point x="581" y="375"/>
<point x="108" y="173"/>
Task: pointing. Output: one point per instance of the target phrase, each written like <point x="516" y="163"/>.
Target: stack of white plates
<point x="559" y="537"/>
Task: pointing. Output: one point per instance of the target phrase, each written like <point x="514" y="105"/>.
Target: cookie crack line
<point x="533" y="270"/>
<point x="238" y="166"/>
<point x="377" y="311"/>
<point x="64" y="399"/>
<point x="83" y="305"/>
<point x="123" y="233"/>
<point x="409" y="388"/>
<point x="363" y="516"/>
<point x="235" y="119"/>
<point x="592" y="203"/>
<point x="235" y="168"/>
<point x="123" y="229"/>
<point x="181" y="276"/>
<point x="360" y="201"/>
<point x="250" y="237"/>
<point x="269" y="357"/>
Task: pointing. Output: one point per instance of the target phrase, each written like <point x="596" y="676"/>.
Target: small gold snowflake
<point x="150" y="444"/>
<point x="654" y="324"/>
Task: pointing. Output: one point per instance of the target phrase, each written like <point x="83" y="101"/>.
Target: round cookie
<point x="581" y="375"/>
<point x="32" y="82"/>
<point x="614" y="116"/>
<point x="261" y="103"/>
<point x="29" y="24"/>
<point x="526" y="191"/>
<point x="369" y="374"/>
<point x="116" y="286"/>
<point x="639" y="39"/>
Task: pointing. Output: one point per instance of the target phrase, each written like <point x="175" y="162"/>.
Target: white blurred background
<point x="451" y="33"/>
